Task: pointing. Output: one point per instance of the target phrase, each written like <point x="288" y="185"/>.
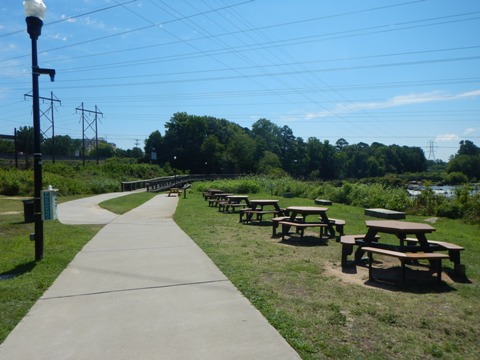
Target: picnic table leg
<point x="285" y="230"/>
<point x="346" y="251"/>
<point x="368" y="240"/>
<point x="359" y="254"/>
<point x="370" y="270"/>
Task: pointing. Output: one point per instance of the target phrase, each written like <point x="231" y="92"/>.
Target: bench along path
<point x="142" y="289"/>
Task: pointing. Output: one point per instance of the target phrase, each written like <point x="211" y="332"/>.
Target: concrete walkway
<point x="142" y="289"/>
<point x="87" y="210"/>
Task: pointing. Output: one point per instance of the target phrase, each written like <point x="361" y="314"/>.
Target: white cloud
<point x="470" y="131"/>
<point x="401" y="100"/>
<point x="447" y="137"/>
<point x="474" y="93"/>
<point x="58" y="36"/>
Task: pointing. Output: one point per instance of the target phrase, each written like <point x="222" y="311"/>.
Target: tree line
<point x="205" y="144"/>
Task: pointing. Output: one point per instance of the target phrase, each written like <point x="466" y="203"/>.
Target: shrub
<point x="450" y="209"/>
<point x="455" y="178"/>
<point x="16" y="182"/>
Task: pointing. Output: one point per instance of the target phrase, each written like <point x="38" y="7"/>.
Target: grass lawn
<point x="322" y="311"/>
<point x="22" y="279"/>
<point x="325" y="312"/>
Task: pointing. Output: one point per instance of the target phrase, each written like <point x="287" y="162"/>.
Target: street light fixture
<point x="34" y="12"/>
<point x="175" y="169"/>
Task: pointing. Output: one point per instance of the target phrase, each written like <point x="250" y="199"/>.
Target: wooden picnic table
<point x="174" y="190"/>
<point x="257" y="207"/>
<point x="216" y="198"/>
<point x="207" y="195"/>
<point x="215" y="191"/>
<point x="416" y="249"/>
<point x="298" y="216"/>
<point x="233" y="201"/>
<point x="401" y="229"/>
<point x="304" y="211"/>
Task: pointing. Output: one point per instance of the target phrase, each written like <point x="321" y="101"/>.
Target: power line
<point x="69" y="18"/>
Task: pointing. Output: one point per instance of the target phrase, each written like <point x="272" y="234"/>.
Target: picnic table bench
<point x="276" y="222"/>
<point x="233" y="202"/>
<point x="210" y="193"/>
<point x="217" y="198"/>
<point x="248" y="212"/>
<point x="300" y="227"/>
<point x="225" y="205"/>
<point x="409" y="249"/>
<point x="258" y="208"/>
<point x="339" y="227"/>
<point x="297" y="218"/>
<point x="453" y="252"/>
<point x="404" y="257"/>
<point x="348" y="241"/>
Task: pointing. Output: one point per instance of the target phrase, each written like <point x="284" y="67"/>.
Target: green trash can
<point x="28" y="210"/>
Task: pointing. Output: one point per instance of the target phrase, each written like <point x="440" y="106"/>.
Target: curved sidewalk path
<point x="142" y="289"/>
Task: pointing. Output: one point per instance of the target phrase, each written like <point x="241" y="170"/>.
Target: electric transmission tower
<point x="49" y="115"/>
<point x="89" y="129"/>
<point x="431" y="150"/>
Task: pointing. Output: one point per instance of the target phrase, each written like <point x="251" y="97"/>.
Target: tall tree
<point x="289" y="149"/>
<point x="64" y="145"/>
<point x="184" y="137"/>
<point x="467" y="147"/>
<point x="268" y="137"/>
<point x="241" y="152"/>
<point x="25" y="139"/>
<point x="341" y="143"/>
<point x="154" y="152"/>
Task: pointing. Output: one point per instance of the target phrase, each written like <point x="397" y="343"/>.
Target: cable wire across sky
<point x="405" y="73"/>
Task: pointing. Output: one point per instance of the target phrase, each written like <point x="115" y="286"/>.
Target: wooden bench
<point x="300" y="227"/>
<point x="453" y="252"/>
<point x="434" y="258"/>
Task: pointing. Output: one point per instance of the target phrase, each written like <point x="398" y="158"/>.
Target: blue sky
<point x="395" y="72"/>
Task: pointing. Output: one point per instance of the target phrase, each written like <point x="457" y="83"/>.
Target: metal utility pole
<point x="53" y="99"/>
<point x="16" y="147"/>
<point x="89" y="125"/>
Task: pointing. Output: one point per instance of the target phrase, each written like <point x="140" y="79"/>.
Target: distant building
<point x="7" y="137"/>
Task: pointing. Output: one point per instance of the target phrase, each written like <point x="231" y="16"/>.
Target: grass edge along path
<point x="322" y="316"/>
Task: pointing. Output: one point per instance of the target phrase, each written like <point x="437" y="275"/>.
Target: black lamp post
<point x="34" y="11"/>
<point x="175" y="169"/>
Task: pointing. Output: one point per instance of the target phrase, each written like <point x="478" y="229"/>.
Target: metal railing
<point x="168" y="182"/>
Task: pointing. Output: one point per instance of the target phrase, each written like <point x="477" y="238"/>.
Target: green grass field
<point x="325" y="312"/>
<point x="300" y="287"/>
